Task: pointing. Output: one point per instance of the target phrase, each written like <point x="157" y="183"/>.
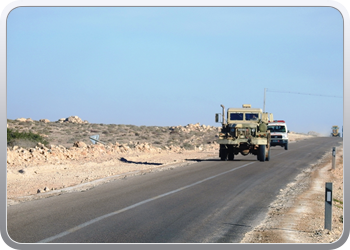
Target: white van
<point x="279" y="133"/>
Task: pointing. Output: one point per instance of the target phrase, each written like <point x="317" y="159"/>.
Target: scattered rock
<point x="79" y="144"/>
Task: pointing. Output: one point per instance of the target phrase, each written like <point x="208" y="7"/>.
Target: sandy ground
<point x="296" y="216"/>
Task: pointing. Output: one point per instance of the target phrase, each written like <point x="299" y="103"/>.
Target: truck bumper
<point x="278" y="142"/>
<point x="253" y="141"/>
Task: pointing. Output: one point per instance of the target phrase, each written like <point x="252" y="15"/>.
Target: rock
<point x="79" y="144"/>
<point x="21" y="119"/>
<point x="44" y="120"/>
<point x="29" y="120"/>
<point x="72" y="119"/>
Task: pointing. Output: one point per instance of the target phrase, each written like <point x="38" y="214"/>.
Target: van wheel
<point x="286" y="146"/>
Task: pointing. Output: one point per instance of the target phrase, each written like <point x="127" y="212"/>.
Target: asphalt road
<point x="209" y="201"/>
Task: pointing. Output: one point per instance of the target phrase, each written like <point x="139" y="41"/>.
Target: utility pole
<point x="264" y="98"/>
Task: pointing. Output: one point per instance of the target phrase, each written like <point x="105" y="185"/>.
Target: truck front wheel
<point x="268" y="154"/>
<point x="223" y="153"/>
<point x="261" y="153"/>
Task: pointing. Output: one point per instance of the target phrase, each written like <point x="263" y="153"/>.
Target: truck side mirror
<point x="217" y="117"/>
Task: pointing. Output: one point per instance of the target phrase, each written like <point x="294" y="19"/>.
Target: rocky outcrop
<point x="44" y="120"/>
<point x="195" y="127"/>
<point x="72" y="119"/>
<point x="24" y="119"/>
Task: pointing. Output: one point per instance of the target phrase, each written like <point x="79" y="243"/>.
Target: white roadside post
<point x="328" y="206"/>
<point x="334" y="153"/>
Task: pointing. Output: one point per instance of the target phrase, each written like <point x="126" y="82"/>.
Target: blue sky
<point x="169" y="66"/>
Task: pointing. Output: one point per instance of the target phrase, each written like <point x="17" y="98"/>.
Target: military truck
<point x="335" y="131"/>
<point x="244" y="130"/>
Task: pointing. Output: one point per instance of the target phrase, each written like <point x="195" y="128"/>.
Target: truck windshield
<point x="236" y="116"/>
<point x="251" y="116"/>
<point x="276" y="128"/>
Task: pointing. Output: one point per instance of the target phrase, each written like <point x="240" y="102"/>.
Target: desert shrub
<point x="112" y="131"/>
<point x="72" y="140"/>
<point x="158" y="133"/>
<point x="196" y="133"/>
<point x="15" y="138"/>
<point x="187" y="146"/>
<point x="44" y="131"/>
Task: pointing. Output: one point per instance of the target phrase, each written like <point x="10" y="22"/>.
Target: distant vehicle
<point x="279" y="133"/>
<point x="335" y="131"/>
<point x="244" y="131"/>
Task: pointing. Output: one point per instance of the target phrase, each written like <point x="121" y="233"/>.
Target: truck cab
<point x="279" y="133"/>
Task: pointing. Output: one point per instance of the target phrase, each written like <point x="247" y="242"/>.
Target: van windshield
<point x="276" y="128"/>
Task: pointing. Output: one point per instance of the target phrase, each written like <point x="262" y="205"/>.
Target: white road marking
<point x="74" y="229"/>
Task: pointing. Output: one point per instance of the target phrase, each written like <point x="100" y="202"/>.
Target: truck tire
<point x="286" y="146"/>
<point x="261" y="153"/>
<point x="231" y="156"/>
<point x="223" y="156"/>
<point x="223" y="153"/>
<point x="268" y="154"/>
<point x="230" y="153"/>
